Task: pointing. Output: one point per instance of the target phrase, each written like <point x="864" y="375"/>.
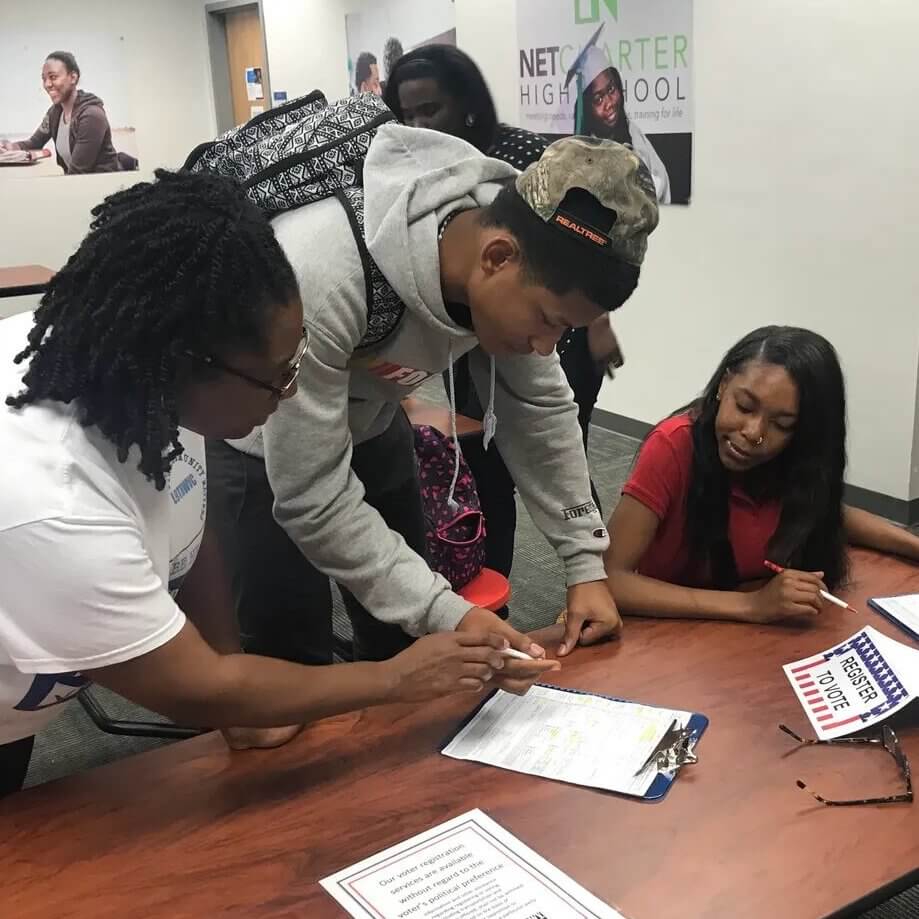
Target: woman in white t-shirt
<point x="178" y="318"/>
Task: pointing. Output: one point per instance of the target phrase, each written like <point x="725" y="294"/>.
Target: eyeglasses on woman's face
<point x="282" y="387"/>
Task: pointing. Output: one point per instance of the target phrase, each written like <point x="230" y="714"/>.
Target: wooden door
<point x="245" y="50"/>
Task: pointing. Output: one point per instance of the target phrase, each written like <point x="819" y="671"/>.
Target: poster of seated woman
<point x="76" y="127"/>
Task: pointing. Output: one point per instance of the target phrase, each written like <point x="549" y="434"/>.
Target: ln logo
<point x="592" y="8"/>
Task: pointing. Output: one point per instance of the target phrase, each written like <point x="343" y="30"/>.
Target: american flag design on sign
<point x="848" y="687"/>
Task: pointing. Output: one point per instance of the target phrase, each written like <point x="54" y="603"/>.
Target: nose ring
<point x="759" y="443"/>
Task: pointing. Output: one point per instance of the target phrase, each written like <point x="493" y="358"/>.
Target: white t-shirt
<point x="91" y="554"/>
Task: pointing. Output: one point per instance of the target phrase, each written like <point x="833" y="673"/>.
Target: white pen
<point x="830" y="598"/>
<point x="778" y="569"/>
<point x="518" y="655"/>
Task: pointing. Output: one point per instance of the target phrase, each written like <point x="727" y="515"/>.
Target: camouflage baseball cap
<point x="611" y="174"/>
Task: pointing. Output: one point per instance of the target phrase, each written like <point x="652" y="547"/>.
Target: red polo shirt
<point x="660" y="480"/>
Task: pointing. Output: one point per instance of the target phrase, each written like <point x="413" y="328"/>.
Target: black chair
<point x="109" y="725"/>
<point x="127" y="162"/>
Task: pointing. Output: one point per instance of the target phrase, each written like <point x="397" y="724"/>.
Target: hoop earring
<point x="470" y="121"/>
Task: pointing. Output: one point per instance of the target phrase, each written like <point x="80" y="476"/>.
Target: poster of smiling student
<point x="65" y="109"/>
<point x="619" y="69"/>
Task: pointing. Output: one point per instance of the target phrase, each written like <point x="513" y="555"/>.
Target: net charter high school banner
<point x="612" y="68"/>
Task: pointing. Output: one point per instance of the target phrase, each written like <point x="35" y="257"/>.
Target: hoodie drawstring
<point x="451" y="501"/>
<point x="489" y="424"/>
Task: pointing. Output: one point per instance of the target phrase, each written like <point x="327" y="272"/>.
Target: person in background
<point x="751" y="471"/>
<point x="367" y="74"/>
<point x="178" y="317"/>
<point x="441" y="88"/>
<point x="76" y="122"/>
<point x="392" y="51"/>
<point x="602" y="105"/>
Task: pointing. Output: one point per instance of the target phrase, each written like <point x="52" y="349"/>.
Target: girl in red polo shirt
<point x="752" y="470"/>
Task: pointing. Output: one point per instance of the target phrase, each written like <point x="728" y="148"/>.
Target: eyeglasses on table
<point x="887" y="740"/>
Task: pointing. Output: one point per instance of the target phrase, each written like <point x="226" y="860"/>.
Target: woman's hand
<point x="789" y="595"/>
<point x="603" y="345"/>
<point x="448" y="662"/>
<point x="259" y="738"/>
<point x="516" y="676"/>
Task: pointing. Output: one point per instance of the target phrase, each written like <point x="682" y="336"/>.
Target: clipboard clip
<point x="673" y="751"/>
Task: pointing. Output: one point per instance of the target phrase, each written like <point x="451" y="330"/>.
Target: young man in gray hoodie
<point x="479" y="255"/>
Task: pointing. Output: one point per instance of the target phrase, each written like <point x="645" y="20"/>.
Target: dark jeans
<point x="284" y="604"/>
<point x="492" y="479"/>
<point x="14" y="764"/>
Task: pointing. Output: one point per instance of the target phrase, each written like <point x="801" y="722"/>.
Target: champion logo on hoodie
<point x="396" y="373"/>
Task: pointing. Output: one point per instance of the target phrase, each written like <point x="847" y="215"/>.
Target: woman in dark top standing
<point x="76" y="122"/>
<point x="440" y="88"/>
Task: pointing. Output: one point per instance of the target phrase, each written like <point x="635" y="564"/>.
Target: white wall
<point x="804" y="194"/>
<point x="803" y="211"/>
<point x="307" y="46"/>
<point x="487" y="30"/>
<point x="805" y="190"/>
<point x="168" y="90"/>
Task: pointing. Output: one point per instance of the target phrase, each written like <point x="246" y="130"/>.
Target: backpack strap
<point x="300" y="153"/>
<point x="384" y="308"/>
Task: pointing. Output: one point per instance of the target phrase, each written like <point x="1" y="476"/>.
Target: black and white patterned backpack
<point x="305" y="151"/>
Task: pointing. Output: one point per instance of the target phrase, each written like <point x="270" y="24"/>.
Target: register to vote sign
<point x="466" y="868"/>
<point x="855" y="684"/>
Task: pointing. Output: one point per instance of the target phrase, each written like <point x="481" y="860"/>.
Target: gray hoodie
<point x="413" y="179"/>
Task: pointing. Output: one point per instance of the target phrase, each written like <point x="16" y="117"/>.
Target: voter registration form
<point x="569" y="736"/>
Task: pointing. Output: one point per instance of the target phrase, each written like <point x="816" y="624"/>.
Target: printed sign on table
<point x="855" y="684"/>
<point x="466" y="868"/>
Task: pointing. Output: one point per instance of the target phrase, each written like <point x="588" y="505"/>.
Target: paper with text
<point x="572" y="737"/>
<point x="466" y="868"/>
<point x="903" y="610"/>
<point x="855" y="684"/>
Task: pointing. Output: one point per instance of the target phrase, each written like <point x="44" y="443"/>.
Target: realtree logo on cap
<point x="581" y="230"/>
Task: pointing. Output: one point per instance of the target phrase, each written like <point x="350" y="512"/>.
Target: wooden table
<point x="19" y="280"/>
<point x="193" y="830"/>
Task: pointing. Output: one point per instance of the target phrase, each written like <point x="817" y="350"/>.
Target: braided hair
<point x="183" y="264"/>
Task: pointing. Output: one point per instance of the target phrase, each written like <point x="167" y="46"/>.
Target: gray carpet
<point x="72" y="743"/>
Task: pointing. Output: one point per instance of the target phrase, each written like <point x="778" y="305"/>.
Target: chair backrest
<point x="489" y="589"/>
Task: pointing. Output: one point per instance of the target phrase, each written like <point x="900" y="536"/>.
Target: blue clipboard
<point x="902" y="626"/>
<point x="659" y="787"/>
